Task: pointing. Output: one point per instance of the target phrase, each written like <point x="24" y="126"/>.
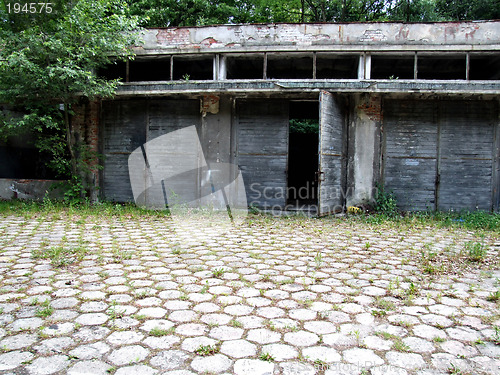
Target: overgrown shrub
<point x="385" y="202"/>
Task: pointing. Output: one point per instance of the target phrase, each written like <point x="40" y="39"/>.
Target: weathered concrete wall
<point x="28" y="189"/>
<point x="364" y="148"/>
<point x="320" y="36"/>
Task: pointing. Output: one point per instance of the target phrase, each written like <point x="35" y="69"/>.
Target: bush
<point x="385" y="202"/>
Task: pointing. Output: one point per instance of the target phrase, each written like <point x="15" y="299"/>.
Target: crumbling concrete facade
<point x="412" y="107"/>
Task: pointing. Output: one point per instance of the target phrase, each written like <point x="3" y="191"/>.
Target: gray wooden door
<point x="130" y="124"/>
<point x="441" y="154"/>
<point x="410" y="152"/>
<point x="466" y="155"/>
<point x="124" y="129"/>
<point x="175" y="159"/>
<point x="330" y="151"/>
<point x="262" y="151"/>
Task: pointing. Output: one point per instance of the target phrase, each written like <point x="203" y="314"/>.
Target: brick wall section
<point x="372" y="106"/>
<point x="174" y="37"/>
<point x="85" y="126"/>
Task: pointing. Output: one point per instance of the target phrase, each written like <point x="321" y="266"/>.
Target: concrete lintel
<point x="451" y="87"/>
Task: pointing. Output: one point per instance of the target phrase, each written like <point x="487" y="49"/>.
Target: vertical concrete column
<point x="85" y="129"/>
<point x="368" y="66"/>
<point x="222" y="67"/>
<point x="361" y="66"/>
<point x="215" y="68"/>
<point x="363" y="148"/>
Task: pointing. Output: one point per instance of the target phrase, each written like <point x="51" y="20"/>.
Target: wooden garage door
<point x="410" y="152"/>
<point x="440" y="154"/>
<point x="466" y="155"/>
<point x="124" y="129"/>
<point x="129" y="124"/>
<point x="262" y="151"/>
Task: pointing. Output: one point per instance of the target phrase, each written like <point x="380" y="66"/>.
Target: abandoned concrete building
<point x="411" y="107"/>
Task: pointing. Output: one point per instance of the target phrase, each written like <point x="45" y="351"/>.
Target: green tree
<point x="457" y="10"/>
<point x="413" y="11"/>
<point x="164" y="13"/>
<point x="48" y="64"/>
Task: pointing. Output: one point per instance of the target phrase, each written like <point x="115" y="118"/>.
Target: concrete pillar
<point x="361" y="67"/>
<point x="364" y="148"/>
<point x="368" y="66"/>
<point x="85" y="128"/>
<point x="222" y="68"/>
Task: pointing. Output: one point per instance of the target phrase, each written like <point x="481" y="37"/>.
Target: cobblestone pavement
<point x="277" y="296"/>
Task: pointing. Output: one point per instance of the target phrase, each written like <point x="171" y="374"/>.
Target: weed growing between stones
<point x="60" y="256"/>
<point x="206" y="350"/>
<point x="475" y="251"/>
<point x="266" y="357"/>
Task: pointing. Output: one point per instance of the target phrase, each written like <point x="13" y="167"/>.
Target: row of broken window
<point x="463" y="66"/>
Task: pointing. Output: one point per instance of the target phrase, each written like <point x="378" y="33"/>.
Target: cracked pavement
<point x="127" y="295"/>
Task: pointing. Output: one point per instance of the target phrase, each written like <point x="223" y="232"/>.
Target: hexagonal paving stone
<point x="238" y="310"/>
<point x="169" y="360"/>
<point x="54" y="345"/>
<point x="270" y="312"/>
<point x="280" y="352"/>
<point x="428" y="332"/>
<point x="136" y="370"/>
<point x="377" y="343"/>
<point x="293" y="368"/>
<point x="93" y="306"/>
<point x="128" y="354"/>
<point x="409" y="361"/>
<point x="463" y="334"/>
<point x="26" y="324"/>
<point x="238" y="348"/>
<point x="91" y="333"/>
<point x="124" y="338"/>
<point x="320" y="327"/>
<point x="156" y="323"/>
<point x="193" y="343"/>
<point x="90" y="351"/>
<point x="92" y="319"/>
<point x="89" y="367"/>
<point x="302" y="314"/>
<point x="213" y="364"/>
<point x="48" y="365"/>
<point x="11" y="360"/>
<point x="220" y="319"/>
<point x="418" y="345"/>
<point x="206" y="307"/>
<point x="459" y="349"/>
<point x="20" y="341"/>
<point x="226" y="333"/>
<point x="152" y="312"/>
<point x="301" y="338"/>
<point x="253" y="367"/>
<point x="163" y="342"/>
<point x="321" y="353"/>
<point x="362" y="357"/>
<point x="263" y="336"/>
<point x="191" y="329"/>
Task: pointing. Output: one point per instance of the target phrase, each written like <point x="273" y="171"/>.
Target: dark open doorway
<point x="303" y="153"/>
